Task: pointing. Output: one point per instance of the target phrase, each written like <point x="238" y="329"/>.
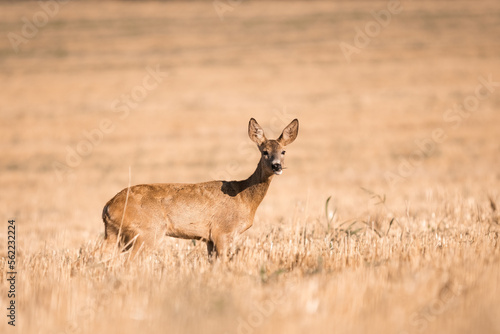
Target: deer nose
<point x="276" y="167"/>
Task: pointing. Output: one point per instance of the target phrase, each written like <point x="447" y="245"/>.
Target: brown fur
<point x="214" y="212"/>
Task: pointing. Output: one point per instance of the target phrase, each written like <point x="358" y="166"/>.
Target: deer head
<point x="272" y="151"/>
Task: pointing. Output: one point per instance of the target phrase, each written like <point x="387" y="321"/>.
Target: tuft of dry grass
<point x="438" y="273"/>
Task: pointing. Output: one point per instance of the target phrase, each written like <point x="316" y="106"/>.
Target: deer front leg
<point x="224" y="245"/>
<point x="210" y="249"/>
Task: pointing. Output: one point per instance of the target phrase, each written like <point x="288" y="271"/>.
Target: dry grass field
<point x="402" y="135"/>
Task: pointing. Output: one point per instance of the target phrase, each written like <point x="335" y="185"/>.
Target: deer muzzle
<point x="277" y="169"/>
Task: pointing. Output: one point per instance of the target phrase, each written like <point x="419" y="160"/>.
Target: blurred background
<point x="395" y="98"/>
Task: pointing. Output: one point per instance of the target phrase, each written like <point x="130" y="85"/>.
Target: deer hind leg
<point x="131" y="240"/>
<point x="118" y="240"/>
<point x="110" y="243"/>
<point x="137" y="244"/>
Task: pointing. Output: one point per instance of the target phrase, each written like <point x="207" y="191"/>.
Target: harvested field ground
<point x="402" y="134"/>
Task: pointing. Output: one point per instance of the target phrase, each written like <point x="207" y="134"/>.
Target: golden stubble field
<point x="403" y="137"/>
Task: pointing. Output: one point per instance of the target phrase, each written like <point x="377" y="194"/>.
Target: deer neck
<point x="256" y="186"/>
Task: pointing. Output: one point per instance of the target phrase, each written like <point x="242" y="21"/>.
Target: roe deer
<point x="214" y="212"/>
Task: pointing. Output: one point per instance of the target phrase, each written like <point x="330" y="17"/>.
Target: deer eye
<point x="266" y="153"/>
<point x="283" y="152"/>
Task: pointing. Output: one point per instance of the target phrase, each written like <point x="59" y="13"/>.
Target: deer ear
<point x="255" y="132"/>
<point x="290" y="133"/>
